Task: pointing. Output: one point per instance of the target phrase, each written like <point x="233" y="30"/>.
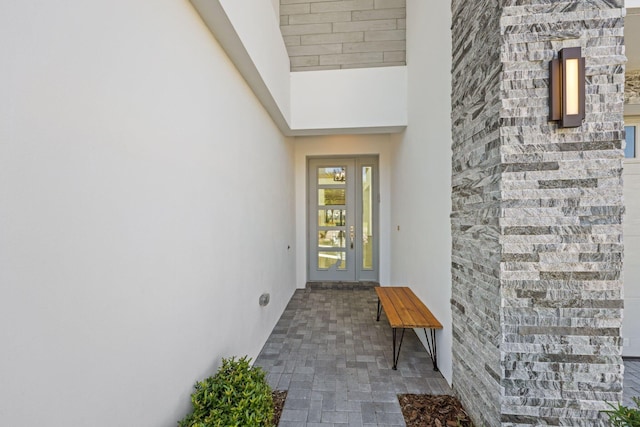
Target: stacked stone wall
<point x="476" y="207"/>
<point x="334" y="34"/>
<point x="561" y="220"/>
<point x="536" y="221"/>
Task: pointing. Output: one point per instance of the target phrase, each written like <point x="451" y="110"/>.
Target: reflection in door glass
<point x="331" y="217"/>
<point x="332" y="176"/>
<point x="332" y="196"/>
<point x="331" y="239"/>
<point x="327" y="260"/>
<point x="367" y="218"/>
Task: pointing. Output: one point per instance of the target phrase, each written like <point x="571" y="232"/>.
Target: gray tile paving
<point x="332" y="356"/>
<point x="631" y="381"/>
<point x="335" y="360"/>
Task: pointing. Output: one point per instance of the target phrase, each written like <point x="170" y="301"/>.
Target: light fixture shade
<point x="567" y="88"/>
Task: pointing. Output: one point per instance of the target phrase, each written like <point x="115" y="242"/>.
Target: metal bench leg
<point x="431" y="347"/>
<point x="396" y="356"/>
<point x="379" y="311"/>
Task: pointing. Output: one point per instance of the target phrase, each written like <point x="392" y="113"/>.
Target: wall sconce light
<point x="567" y="87"/>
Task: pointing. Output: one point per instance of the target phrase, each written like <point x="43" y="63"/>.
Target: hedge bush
<point x="237" y="395"/>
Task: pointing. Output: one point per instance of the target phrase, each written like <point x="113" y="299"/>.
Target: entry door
<point x="342" y="219"/>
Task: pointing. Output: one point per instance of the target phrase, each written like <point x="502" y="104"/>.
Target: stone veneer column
<point x="476" y="207"/>
<point x="536" y="221"/>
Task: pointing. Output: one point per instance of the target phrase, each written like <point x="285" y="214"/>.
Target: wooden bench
<point x="404" y="310"/>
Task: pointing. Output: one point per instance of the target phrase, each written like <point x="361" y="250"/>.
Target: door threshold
<point x="342" y="285"/>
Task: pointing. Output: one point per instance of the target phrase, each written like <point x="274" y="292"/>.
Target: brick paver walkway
<point x="631" y="381"/>
<point x="335" y="360"/>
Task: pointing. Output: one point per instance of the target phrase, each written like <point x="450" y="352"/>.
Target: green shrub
<point x="237" y="395"/>
<point x="623" y="416"/>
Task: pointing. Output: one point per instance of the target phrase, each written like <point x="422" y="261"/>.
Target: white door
<point x="343" y="219"/>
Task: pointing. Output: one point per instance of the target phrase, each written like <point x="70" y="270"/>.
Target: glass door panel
<point x="367" y="217"/>
<point x="328" y="217"/>
<point x="332" y="186"/>
<point x="331" y="239"/>
<point x="327" y="260"/>
<point x="332" y="175"/>
<point x="332" y="196"/>
<point x="342" y="219"/>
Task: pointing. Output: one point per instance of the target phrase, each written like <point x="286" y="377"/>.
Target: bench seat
<point x="405" y="310"/>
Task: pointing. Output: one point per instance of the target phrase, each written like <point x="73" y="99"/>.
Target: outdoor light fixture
<point x="566" y="88"/>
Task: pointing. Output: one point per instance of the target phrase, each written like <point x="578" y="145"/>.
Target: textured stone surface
<point x="325" y="35"/>
<point x="537" y="210"/>
<point x="632" y="87"/>
<point x="476" y="208"/>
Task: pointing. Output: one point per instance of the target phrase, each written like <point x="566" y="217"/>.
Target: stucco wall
<point x="421" y="172"/>
<point x="141" y="217"/>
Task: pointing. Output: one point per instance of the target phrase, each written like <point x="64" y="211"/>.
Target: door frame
<point x="360" y="274"/>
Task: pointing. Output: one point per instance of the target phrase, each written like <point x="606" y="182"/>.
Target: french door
<point x="343" y="229"/>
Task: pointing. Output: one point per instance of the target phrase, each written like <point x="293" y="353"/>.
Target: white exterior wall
<point x="146" y="203"/>
<point x="331" y="100"/>
<point x="342" y="145"/>
<point x="257" y="28"/>
<point x="421" y="180"/>
<point x="631" y="232"/>
<point x="367" y="100"/>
